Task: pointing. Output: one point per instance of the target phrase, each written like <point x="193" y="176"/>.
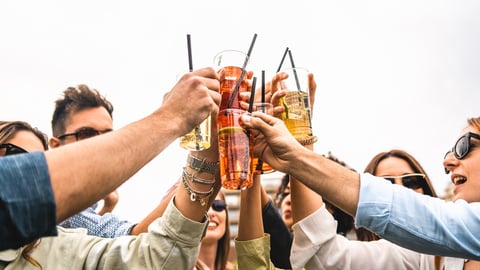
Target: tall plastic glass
<point x="297" y="103"/>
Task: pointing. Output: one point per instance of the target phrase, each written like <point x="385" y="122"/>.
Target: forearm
<point x="250" y="225"/>
<point x="327" y="178"/>
<point x="105" y="162"/>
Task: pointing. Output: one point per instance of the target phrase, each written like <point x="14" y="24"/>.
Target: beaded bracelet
<point x="199" y="196"/>
<point x="308" y="141"/>
<point x="197" y="179"/>
<point x="202" y="165"/>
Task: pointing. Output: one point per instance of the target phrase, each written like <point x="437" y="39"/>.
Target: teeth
<point x="212" y="224"/>
<point x="458" y="180"/>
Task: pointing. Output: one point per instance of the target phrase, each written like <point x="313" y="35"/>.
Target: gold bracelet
<point x="197" y="179"/>
<point x="199" y="196"/>
<point x="308" y="141"/>
<point x="202" y="165"/>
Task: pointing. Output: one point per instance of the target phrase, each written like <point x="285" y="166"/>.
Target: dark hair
<point x="76" y="99"/>
<point x="8" y="129"/>
<point x="412" y="162"/>
<point x="280" y="194"/>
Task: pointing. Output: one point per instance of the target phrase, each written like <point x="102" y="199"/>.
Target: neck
<point x="208" y="252"/>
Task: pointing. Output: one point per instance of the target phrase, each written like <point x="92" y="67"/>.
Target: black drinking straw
<point x="252" y="95"/>
<point x="189" y="47"/>
<point x="263" y="86"/>
<point x="294" y="70"/>
<point x="283" y="58"/>
<point x="244" y="66"/>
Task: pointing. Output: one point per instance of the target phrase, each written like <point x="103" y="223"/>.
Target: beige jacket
<point x="171" y="243"/>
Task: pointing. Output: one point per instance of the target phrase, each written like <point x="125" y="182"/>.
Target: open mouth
<point x="458" y="180"/>
<point x="212" y="225"/>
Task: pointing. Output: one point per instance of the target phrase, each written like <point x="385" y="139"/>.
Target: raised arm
<point x="90" y="165"/>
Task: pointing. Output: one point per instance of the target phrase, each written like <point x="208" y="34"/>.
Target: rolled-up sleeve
<point x="27" y="204"/>
<point x="419" y="222"/>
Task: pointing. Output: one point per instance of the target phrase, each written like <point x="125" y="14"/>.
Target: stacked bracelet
<point x="197" y="179"/>
<point x="308" y="141"/>
<point x="199" y="196"/>
<point x="202" y="165"/>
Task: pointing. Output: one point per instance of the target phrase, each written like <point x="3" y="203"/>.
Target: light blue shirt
<point x="419" y="222"/>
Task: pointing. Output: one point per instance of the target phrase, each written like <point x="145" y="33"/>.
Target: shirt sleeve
<point x="280" y="236"/>
<point x="27" y="204"/>
<point x="318" y="246"/>
<point x="107" y="225"/>
<point x="254" y="254"/>
<point x="419" y="222"/>
<point x="172" y="242"/>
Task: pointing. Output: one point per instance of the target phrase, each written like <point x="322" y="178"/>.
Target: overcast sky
<point x="390" y="74"/>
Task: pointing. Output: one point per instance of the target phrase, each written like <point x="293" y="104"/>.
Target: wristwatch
<point x="202" y="165"/>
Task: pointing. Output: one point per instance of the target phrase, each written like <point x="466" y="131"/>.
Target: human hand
<point x="273" y="143"/>
<point x="194" y="97"/>
<point x="109" y="202"/>
<point x="277" y="92"/>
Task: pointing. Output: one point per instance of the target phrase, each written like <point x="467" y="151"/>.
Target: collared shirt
<point x="172" y="242"/>
<point x="318" y="246"/>
<point x="27" y="204"/>
<point x="107" y="225"/>
<point x="419" y="222"/>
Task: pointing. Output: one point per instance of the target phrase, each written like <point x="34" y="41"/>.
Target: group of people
<point x="332" y="217"/>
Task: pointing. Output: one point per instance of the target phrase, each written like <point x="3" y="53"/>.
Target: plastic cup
<point x="297" y="103"/>
<point x="235" y="146"/>
<point x="199" y="137"/>
<point x="260" y="166"/>
<point x="229" y="65"/>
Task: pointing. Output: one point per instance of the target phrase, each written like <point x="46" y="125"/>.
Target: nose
<point x="449" y="162"/>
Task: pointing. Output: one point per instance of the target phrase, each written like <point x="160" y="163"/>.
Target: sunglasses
<point x="411" y="180"/>
<point x="84" y="133"/>
<point x="219" y="205"/>
<point x="7" y="149"/>
<point x="463" y="146"/>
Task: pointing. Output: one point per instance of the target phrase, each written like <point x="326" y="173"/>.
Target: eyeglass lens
<point x="219" y="205"/>
<point x="10" y="149"/>
<point x="86" y="133"/>
<point x="411" y="181"/>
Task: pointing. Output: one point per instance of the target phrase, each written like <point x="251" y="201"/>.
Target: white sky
<point x="390" y="74"/>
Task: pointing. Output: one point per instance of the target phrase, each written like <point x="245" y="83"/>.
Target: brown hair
<point x="412" y="162"/>
<point x="8" y="129"/>
<point x="76" y="99"/>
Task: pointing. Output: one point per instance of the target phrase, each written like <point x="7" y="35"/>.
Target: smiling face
<point x="217" y="225"/>
<point x="465" y="172"/>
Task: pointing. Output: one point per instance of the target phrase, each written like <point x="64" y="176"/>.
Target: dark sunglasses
<point x="219" y="205"/>
<point x="463" y="145"/>
<point x="411" y="180"/>
<point x="7" y="149"/>
<point x="84" y="133"/>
